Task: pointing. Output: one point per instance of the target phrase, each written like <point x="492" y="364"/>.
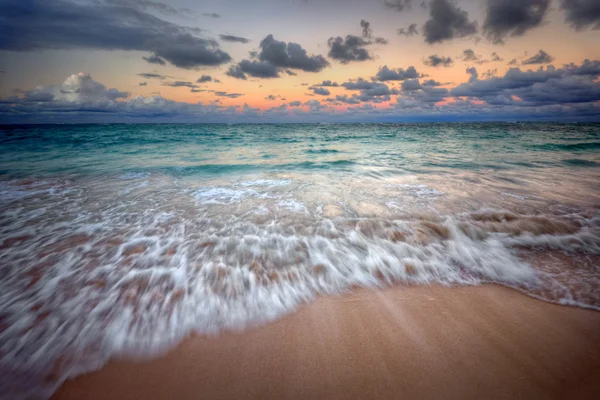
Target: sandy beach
<point x="418" y="342"/>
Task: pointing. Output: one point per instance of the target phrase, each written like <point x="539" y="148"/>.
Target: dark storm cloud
<point x="410" y="31"/>
<point x="65" y="24"/>
<point x="289" y="55"/>
<point x="153" y="59"/>
<point x="386" y="74"/>
<point x="513" y="17"/>
<point x="147" y="75"/>
<point x="437" y="61"/>
<point x="204" y="78"/>
<point x="349" y="49"/>
<point x="540" y="58"/>
<point x="582" y="14"/>
<point x="211" y="15"/>
<point x="321" y="91"/>
<point x="234" y="39"/>
<point x="399" y="5"/>
<point x="447" y="21"/>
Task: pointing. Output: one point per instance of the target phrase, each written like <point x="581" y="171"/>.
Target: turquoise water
<point x="123" y="239"/>
<point x="184" y="150"/>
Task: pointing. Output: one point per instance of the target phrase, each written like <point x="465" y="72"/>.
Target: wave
<point x="87" y="278"/>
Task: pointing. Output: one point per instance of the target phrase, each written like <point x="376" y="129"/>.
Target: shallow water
<point x="123" y="239"/>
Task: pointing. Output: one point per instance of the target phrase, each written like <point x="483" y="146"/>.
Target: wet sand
<point x="418" y="342"/>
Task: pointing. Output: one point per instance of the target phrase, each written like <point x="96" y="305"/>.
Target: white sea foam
<point x="266" y="182"/>
<point x="292" y="205"/>
<point x="87" y="277"/>
<point x="221" y="195"/>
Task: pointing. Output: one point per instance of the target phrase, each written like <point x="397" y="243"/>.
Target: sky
<point x="70" y="61"/>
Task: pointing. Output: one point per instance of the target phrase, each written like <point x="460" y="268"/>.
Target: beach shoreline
<point x="401" y="342"/>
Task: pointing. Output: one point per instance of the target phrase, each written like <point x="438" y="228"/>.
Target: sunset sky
<point x="298" y="60"/>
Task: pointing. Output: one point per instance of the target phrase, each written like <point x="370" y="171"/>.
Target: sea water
<point x="124" y="239"/>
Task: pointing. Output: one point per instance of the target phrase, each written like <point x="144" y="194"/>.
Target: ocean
<point x="121" y="240"/>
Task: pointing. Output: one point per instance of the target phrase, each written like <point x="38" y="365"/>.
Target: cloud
<point x="349" y="49"/>
<point x="570" y="92"/>
<point x="177" y="84"/>
<point x="234" y="39"/>
<point x="540" y="58"/>
<point x="321" y="91"/>
<point x="410" y="31"/>
<point x="204" y="78"/>
<point x="385" y="74"/>
<point x="411" y="84"/>
<point x="275" y="57"/>
<point x="437" y="61"/>
<point x="235" y="71"/>
<point x="289" y="55"/>
<point x="77" y="88"/>
<point x="143" y="84"/>
<point x="490" y="73"/>
<point x="469" y="55"/>
<point x="273" y="97"/>
<point x="513" y="62"/>
<point x="38" y="24"/>
<point x="581" y="14"/>
<point x="545" y="86"/>
<point x="147" y="75"/>
<point x="352" y="48"/>
<point x="230" y="95"/>
<point x="513" y="17"/>
<point x="447" y="21"/>
<point x="259" y="69"/>
<point x="328" y="84"/>
<point x="399" y="5"/>
<point x="348" y="100"/>
<point x="367" y="33"/>
<point x="154" y="59"/>
<point x="211" y="15"/>
<point x="147" y="5"/>
<point x="496" y="57"/>
<point x="474" y="75"/>
<point x="369" y="91"/>
<point x="366" y="27"/>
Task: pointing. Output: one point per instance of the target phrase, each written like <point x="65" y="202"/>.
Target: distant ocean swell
<point x="123" y="252"/>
